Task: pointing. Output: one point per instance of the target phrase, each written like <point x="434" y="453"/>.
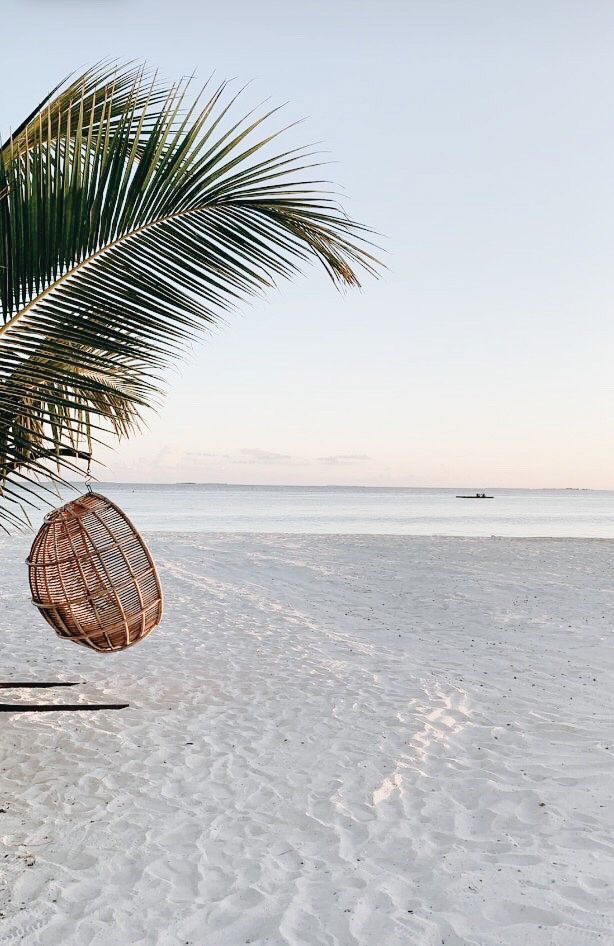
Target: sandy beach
<point x="340" y="740"/>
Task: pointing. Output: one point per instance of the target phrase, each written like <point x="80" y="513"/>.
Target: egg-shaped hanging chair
<point x="92" y="576"/>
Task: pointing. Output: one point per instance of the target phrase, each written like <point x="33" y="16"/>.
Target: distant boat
<point x="476" y="496"/>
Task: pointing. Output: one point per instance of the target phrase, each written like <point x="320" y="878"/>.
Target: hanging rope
<point x="89" y="479"/>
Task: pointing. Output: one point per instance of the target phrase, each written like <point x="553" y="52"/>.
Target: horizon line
<point x="218" y="484"/>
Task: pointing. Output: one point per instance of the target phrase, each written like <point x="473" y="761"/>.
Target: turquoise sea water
<point x="352" y="510"/>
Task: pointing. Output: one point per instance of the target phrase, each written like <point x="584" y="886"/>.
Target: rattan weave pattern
<point x="92" y="576"/>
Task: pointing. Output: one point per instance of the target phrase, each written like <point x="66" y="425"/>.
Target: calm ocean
<point x="212" y="508"/>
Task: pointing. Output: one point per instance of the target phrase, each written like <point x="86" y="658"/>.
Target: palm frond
<point x="108" y="85"/>
<point x="131" y="217"/>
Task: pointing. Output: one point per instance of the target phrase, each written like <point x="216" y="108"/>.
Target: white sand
<point x="332" y="740"/>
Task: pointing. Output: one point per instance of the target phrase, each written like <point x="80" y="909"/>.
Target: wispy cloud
<point x="245" y="455"/>
<point x="341" y="458"/>
<point x="255" y="455"/>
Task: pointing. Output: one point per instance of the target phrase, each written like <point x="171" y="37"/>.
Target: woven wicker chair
<point x="92" y="576"/>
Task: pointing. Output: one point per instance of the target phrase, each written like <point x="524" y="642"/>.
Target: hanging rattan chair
<point x="92" y="576"/>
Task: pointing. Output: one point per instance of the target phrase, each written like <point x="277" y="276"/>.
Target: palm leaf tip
<point x="130" y="217"/>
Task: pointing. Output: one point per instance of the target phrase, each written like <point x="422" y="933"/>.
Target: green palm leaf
<point x="129" y="218"/>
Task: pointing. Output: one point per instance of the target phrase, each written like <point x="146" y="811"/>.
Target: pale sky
<point x="479" y="138"/>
